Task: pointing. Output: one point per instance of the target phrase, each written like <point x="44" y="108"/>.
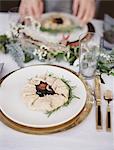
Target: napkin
<point x="108" y="35"/>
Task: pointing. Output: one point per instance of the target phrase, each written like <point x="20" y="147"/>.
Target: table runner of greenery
<point x="23" y="54"/>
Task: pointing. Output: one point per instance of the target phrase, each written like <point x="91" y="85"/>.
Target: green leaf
<point x="103" y="68"/>
<point x="112" y="73"/>
<point x="55" y="31"/>
<point x="28" y="58"/>
<point x="2" y="48"/>
<point x="59" y="56"/>
<point x="3" y="39"/>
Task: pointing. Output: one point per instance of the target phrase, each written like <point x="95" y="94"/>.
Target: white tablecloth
<point x="82" y="137"/>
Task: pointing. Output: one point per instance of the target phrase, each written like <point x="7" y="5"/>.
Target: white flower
<point x="43" y="47"/>
<point x="44" y="53"/>
<point x="40" y="53"/>
<point x="107" y="57"/>
<point x="35" y="52"/>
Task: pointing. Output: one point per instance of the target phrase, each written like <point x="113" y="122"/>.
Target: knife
<point x="98" y="103"/>
<point x="1" y="67"/>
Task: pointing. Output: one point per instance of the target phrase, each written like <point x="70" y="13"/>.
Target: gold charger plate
<point x="58" y="128"/>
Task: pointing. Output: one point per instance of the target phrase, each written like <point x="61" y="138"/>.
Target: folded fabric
<point x="108" y="38"/>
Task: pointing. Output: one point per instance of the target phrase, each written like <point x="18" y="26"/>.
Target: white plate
<point x="74" y="35"/>
<point x="13" y="107"/>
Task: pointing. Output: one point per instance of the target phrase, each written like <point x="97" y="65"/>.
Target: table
<point x="82" y="137"/>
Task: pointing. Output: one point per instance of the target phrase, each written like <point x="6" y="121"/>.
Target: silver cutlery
<point x="108" y="97"/>
<point x="1" y="67"/>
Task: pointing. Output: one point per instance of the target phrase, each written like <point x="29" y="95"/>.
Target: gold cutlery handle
<point x="98" y="117"/>
<point x="108" y="119"/>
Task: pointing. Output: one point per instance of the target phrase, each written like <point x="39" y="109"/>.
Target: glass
<point x="88" y="55"/>
<point x="14" y="16"/>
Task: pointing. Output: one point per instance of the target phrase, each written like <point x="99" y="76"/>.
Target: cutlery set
<point x="108" y="97"/>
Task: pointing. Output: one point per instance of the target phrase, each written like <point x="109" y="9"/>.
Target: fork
<point x="108" y="97"/>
